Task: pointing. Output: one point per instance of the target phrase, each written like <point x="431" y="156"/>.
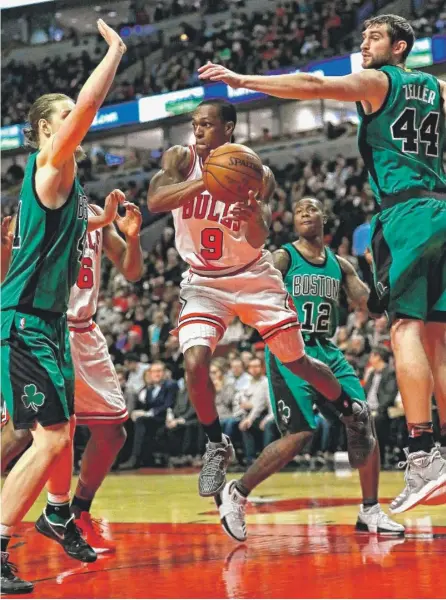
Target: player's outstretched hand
<point x="112" y="202"/>
<point x="111" y="37"/>
<point x="130" y="223"/>
<point x="213" y="72"/>
<point x="245" y="211"/>
<point x="7" y="236"/>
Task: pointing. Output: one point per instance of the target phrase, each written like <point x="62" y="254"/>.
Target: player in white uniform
<point x="99" y="402"/>
<point x="230" y="274"/>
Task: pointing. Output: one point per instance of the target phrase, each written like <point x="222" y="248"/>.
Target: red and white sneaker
<point x="97" y="533"/>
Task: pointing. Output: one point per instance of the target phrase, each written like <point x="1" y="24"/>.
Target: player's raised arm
<point x="167" y="189"/>
<point x="370" y="85"/>
<point x="356" y="290"/>
<point x="92" y="95"/>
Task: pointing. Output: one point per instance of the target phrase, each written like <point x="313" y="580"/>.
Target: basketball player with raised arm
<point x="98" y="400"/>
<point x="401" y="139"/>
<point x="314" y="277"/>
<point x="37" y="378"/>
<point x="230" y="274"/>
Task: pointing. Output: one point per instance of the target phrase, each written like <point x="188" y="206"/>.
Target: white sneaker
<point x="375" y="520"/>
<point x="425" y="474"/>
<point x="231" y="505"/>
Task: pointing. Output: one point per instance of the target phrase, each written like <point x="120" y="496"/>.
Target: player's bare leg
<point x="29" y="475"/>
<point x="13" y="442"/>
<point x="56" y="521"/>
<point x="24" y="484"/>
<point x="371" y="518"/>
<point x="219" y="450"/>
<point x="100" y="452"/>
<point x="426" y="470"/>
<point x="232" y="500"/>
<point x="435" y="345"/>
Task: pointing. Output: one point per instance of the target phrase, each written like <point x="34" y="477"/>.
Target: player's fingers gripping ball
<point x="231" y="171"/>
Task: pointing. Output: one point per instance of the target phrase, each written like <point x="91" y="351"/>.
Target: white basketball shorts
<point x="256" y="295"/>
<point x="97" y="395"/>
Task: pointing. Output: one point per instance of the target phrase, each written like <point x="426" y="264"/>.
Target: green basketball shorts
<point x="292" y="398"/>
<point x="37" y="375"/>
<point x="409" y="255"/>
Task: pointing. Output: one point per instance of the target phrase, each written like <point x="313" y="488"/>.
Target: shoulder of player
<point x="346" y="266"/>
<point x="282" y="260"/>
<point x="177" y="157"/>
<point x="370" y="82"/>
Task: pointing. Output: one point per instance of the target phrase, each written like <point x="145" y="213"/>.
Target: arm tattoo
<point x="281" y="260"/>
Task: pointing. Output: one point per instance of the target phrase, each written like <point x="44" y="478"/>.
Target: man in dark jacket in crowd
<point x="381" y="390"/>
<point x="150" y="413"/>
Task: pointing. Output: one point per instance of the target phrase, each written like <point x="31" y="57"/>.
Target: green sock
<point x="58" y="512"/>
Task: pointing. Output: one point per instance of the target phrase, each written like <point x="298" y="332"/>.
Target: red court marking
<point x="199" y="561"/>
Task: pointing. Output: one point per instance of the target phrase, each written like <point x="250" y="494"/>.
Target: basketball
<point x="231" y="171"/>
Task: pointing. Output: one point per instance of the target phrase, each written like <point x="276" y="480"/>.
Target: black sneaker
<point x="360" y="439"/>
<point x="68" y="536"/>
<point x="10" y="583"/>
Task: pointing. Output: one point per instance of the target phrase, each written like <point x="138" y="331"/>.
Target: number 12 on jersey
<point x="322" y="320"/>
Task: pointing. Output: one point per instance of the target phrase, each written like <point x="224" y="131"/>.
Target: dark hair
<point x="382" y="352"/>
<point x="41" y="109"/>
<point x="398" y="29"/>
<point x="318" y="202"/>
<point x="226" y="109"/>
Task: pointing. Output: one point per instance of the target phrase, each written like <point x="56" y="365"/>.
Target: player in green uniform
<point x="313" y="276"/>
<point x="37" y="374"/>
<point x="401" y="139"/>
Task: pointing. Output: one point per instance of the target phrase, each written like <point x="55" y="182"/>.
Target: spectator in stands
<point x="356" y="354"/>
<point x="361" y="238"/>
<point x="149" y="415"/>
<point x="225" y="399"/>
<point x="255" y="404"/>
<point x="173" y="358"/>
<point x="381" y="389"/>
<point x="380" y="335"/>
<point x="239" y="378"/>
<point x="158" y="334"/>
<point x="136" y="378"/>
<point x="246" y="357"/>
<point x="186" y="437"/>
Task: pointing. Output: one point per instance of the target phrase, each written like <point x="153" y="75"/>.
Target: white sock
<point x="58" y="498"/>
<point x="6" y="530"/>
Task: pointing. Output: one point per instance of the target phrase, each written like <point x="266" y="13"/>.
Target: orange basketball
<point x="231" y="171"/>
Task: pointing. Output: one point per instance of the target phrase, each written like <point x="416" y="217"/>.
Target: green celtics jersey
<point x="402" y="143"/>
<point x="315" y="291"/>
<point x="47" y="249"/>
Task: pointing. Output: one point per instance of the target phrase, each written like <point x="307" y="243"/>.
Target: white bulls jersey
<point x="84" y="293"/>
<point x="207" y="238"/>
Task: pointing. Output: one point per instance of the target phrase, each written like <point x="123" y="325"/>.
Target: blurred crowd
<point x="290" y="33"/>
<point x="141" y="12"/>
